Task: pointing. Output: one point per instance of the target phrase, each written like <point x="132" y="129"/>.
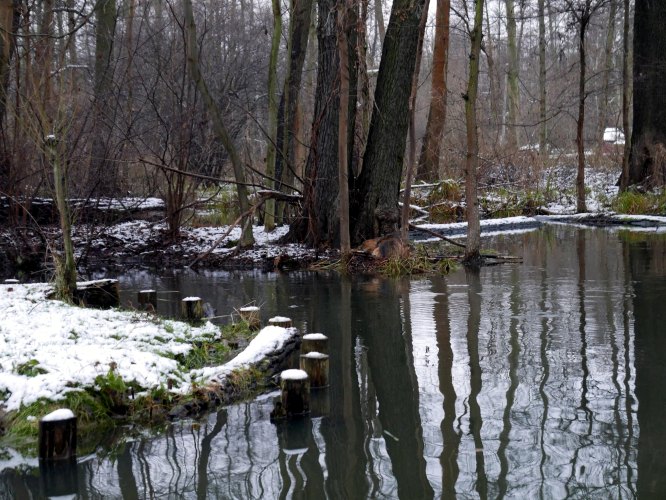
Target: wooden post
<point x="314" y="342"/>
<point x="315" y="364"/>
<point x="250" y="314"/>
<point x="191" y="308"/>
<point x="280" y="321"/>
<point x="320" y="402"/>
<point x="295" y="386"/>
<point x="57" y="435"/>
<point x="147" y="299"/>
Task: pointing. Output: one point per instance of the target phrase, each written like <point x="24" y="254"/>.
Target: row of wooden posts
<point x="312" y="374"/>
<point x="57" y="431"/>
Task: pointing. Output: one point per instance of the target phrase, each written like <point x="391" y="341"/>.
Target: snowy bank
<point x="49" y="348"/>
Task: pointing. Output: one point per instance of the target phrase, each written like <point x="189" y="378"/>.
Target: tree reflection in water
<point x="524" y="380"/>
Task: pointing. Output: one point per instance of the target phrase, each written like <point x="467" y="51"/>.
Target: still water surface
<point x="545" y="379"/>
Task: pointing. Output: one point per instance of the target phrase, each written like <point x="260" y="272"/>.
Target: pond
<point x="543" y="379"/>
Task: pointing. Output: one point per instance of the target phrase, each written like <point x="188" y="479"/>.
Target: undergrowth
<point x="635" y="203"/>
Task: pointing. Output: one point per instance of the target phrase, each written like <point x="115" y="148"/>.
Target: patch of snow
<point x="315" y="336"/>
<point x="249" y="309"/>
<point x="191" y="299"/>
<point x="315" y="355"/>
<point x="279" y="319"/>
<point x="60" y="414"/>
<point x="293" y="375"/>
<point x="71" y="346"/>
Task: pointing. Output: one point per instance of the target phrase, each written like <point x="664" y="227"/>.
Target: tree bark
<point x="428" y="169"/>
<point x="9" y="25"/>
<point x="543" y="96"/>
<point x="102" y="174"/>
<point x="376" y="197"/>
<point x="288" y="125"/>
<point x="626" y="95"/>
<point x="411" y="161"/>
<point x="269" y="217"/>
<point x="513" y="90"/>
<point x="220" y="130"/>
<point x="343" y="167"/>
<point x="648" y="138"/>
<point x="473" y="244"/>
<point x="580" y="123"/>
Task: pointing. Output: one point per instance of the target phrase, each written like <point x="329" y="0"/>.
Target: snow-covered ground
<point x="49" y="348"/>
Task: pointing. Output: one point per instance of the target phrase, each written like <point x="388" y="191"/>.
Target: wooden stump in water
<point x="295" y="387"/>
<point x="147" y="299"/>
<point x="99" y="293"/>
<point x="315" y="364"/>
<point x="320" y="402"/>
<point x="314" y="342"/>
<point x="57" y="435"/>
<point x="191" y="309"/>
<point x="280" y="321"/>
<point x="250" y="315"/>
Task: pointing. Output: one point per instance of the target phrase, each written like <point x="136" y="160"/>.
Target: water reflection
<point x="540" y="380"/>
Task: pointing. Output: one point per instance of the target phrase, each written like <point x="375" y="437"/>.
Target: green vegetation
<point x="633" y="203"/>
<point x="113" y="400"/>
<point x="30" y="368"/>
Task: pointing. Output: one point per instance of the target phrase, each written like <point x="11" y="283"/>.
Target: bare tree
<point x="473" y="244"/>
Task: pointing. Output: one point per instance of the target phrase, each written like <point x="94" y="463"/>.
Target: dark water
<point x="545" y="379"/>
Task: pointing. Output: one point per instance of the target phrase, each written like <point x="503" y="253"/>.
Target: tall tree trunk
<point x="626" y="94"/>
<point x="513" y="111"/>
<point x="379" y="19"/>
<point x="495" y="119"/>
<point x="287" y="138"/>
<point x="428" y="169"/>
<point x="65" y="285"/>
<point x="319" y="224"/>
<point x="343" y="143"/>
<point x="473" y="244"/>
<point x="220" y="130"/>
<point x="580" y="124"/>
<point x="543" y="126"/>
<point x="411" y="160"/>
<point x="376" y="197"/>
<point x="648" y="137"/>
<point x="269" y="217"/>
<point x="102" y="174"/>
<point x="608" y="66"/>
<point x="9" y="25"/>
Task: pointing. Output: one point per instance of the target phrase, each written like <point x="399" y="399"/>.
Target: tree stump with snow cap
<point x="191" y="309"/>
<point x="315" y="364"/>
<point x="250" y="315"/>
<point x="314" y="342"/>
<point x="57" y="435"/>
<point x="295" y="388"/>
<point x="280" y="321"/>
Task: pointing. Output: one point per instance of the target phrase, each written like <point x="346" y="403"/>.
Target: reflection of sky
<point x="564" y="431"/>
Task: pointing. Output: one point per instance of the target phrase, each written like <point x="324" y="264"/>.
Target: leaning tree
<point x="647" y="163"/>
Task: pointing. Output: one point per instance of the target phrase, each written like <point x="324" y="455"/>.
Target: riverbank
<point x="108" y="365"/>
